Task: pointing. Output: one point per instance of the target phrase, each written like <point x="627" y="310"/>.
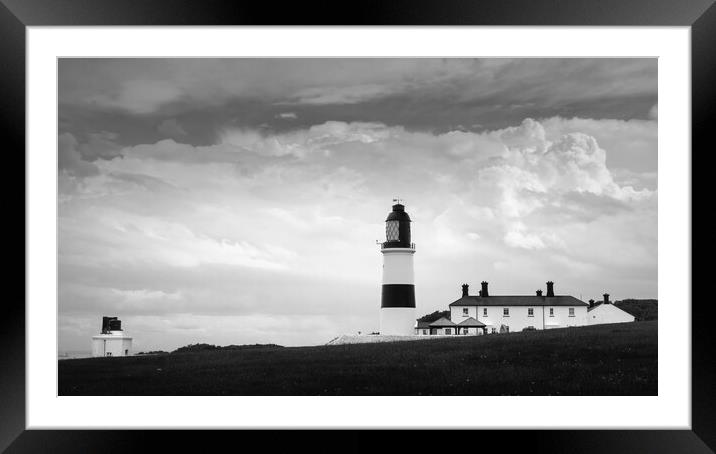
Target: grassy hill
<point x="619" y="359"/>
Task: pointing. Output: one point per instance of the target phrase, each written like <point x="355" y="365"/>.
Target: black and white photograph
<point x="357" y="226"/>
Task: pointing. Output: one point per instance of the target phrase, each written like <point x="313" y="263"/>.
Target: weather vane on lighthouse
<point x="398" y="200"/>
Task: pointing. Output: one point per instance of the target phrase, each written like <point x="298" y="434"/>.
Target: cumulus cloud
<point x="632" y="144"/>
<point x="70" y="159"/>
<point x="518" y="238"/>
<point x="263" y="224"/>
<point x="99" y="145"/>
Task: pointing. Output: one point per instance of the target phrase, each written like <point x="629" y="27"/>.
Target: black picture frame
<point x="16" y="15"/>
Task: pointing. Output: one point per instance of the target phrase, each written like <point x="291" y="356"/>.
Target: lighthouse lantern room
<point x="397" y="303"/>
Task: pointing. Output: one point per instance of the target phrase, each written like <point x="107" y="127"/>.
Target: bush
<point x="195" y="348"/>
<point x="642" y="310"/>
<point x="437" y="315"/>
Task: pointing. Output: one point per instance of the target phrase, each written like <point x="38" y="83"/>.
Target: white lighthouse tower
<point x="397" y="302"/>
<point x="112" y="341"/>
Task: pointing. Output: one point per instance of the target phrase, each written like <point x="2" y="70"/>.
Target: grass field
<point x="618" y="359"/>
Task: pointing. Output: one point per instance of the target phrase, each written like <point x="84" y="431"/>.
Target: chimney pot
<point x="591" y="303"/>
<point x="464" y="289"/>
<point x="484" y="292"/>
<point x="606" y="298"/>
<point x="539" y="292"/>
<point x="550" y="288"/>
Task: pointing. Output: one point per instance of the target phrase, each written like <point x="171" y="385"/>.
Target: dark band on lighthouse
<point x="398" y="295"/>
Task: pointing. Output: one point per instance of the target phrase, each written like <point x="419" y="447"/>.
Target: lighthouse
<point x="397" y="302"/>
<point x="112" y="340"/>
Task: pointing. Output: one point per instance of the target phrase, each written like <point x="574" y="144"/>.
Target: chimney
<point x="606" y="298"/>
<point x="550" y="288"/>
<point x="483" y="292"/>
<point x="591" y="303"/>
<point x="464" y="289"/>
<point x="539" y="292"/>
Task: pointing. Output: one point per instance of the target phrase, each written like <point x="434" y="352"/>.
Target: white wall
<point x="398" y="266"/>
<point x="561" y="318"/>
<point x="519" y="319"/>
<point x="471" y="331"/>
<point x="608" y="313"/>
<point x="97" y="347"/>
<point x="116" y="345"/>
<point x="398" y="321"/>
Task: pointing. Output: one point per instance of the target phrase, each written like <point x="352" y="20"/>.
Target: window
<point x="484" y="312"/>
<point x="530" y="312"/>
<point x="505" y="311"/>
<point x="126" y="352"/>
<point x="464" y="312"/>
<point x="494" y="330"/>
<point x="425" y="331"/>
<point x="551" y="312"/>
<point x="448" y="331"/>
<point x="571" y="312"/>
<point x="109" y="353"/>
<point x="465" y="330"/>
<point x="391" y="231"/>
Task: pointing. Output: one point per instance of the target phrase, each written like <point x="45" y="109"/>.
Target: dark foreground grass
<point x="618" y="359"/>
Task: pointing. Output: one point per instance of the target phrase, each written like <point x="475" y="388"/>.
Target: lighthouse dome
<point x="397" y="228"/>
<point x="398" y="213"/>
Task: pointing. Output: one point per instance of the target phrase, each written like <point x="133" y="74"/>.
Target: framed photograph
<point x="424" y="216"/>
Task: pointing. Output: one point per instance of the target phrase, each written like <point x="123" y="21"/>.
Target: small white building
<point x="446" y="327"/>
<point x="112" y="341"/>
<point x="606" y="312"/>
<point x="442" y="327"/>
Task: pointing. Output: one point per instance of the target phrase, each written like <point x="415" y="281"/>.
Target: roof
<point x="468" y="322"/>
<point x="439" y="323"/>
<point x="601" y="303"/>
<point x="421" y="325"/>
<point x="519" y="300"/>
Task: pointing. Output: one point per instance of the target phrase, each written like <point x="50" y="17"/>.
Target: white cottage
<point x="490" y="314"/>
<point x="112" y="341"/>
<point x="510" y="313"/>
<point x="606" y="312"/>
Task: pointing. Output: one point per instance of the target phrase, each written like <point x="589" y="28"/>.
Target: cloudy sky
<point x="236" y="201"/>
